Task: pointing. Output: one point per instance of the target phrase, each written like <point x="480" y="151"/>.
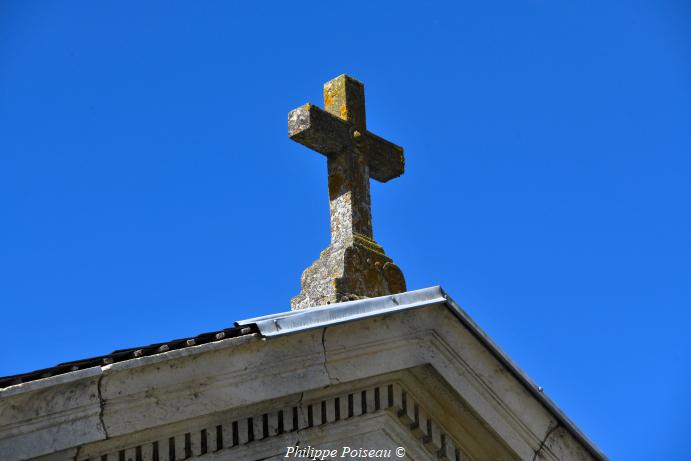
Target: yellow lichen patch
<point x="344" y="112"/>
<point x="328" y="98"/>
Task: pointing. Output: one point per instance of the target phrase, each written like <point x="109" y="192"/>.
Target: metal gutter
<point x="324" y="316"/>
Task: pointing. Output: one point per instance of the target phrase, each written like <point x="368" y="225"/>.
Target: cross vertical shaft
<point x="349" y="195"/>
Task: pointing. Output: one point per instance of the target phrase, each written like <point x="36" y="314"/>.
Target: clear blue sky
<point x="148" y="189"/>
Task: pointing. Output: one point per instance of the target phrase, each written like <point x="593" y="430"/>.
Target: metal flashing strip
<point x="333" y="314"/>
<point x="324" y="316"/>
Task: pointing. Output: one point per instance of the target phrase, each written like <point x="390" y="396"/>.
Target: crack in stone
<point x="102" y="405"/>
<point x="544" y="441"/>
<point x="326" y="367"/>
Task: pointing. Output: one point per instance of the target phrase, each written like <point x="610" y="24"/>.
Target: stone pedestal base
<point x="355" y="269"/>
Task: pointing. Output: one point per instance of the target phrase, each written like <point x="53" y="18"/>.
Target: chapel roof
<point x="297" y="321"/>
<point x="121" y="355"/>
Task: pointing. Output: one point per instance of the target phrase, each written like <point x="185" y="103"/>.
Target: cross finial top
<point x="345" y="97"/>
<point x="354" y="265"/>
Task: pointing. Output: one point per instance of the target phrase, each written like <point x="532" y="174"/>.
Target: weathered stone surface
<point x="320" y="131"/>
<point x="347" y="272"/>
<point x="353" y="266"/>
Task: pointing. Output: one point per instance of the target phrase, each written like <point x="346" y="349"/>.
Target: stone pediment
<point x="413" y="409"/>
<point x="409" y="369"/>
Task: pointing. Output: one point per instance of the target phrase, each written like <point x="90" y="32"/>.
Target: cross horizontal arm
<point x="318" y="130"/>
<point x="385" y="158"/>
<point x="328" y="134"/>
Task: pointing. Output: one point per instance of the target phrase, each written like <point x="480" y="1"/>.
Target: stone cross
<point x="353" y="266"/>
